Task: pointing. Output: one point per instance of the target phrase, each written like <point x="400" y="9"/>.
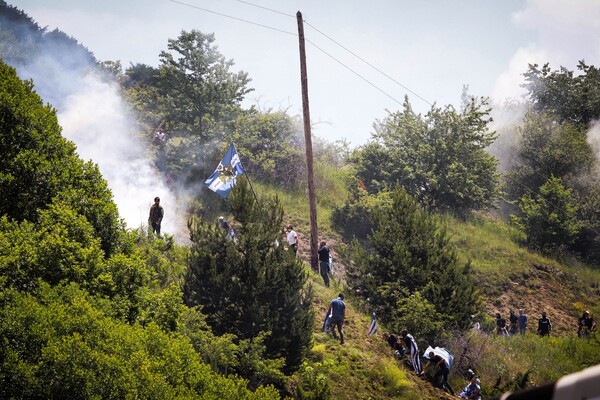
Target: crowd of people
<point x="404" y="345"/>
<point x="585" y="325"/>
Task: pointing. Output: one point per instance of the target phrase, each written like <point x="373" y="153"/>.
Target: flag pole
<point x="247" y="176"/>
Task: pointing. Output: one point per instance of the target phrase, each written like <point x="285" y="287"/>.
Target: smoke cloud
<point x="96" y="118"/>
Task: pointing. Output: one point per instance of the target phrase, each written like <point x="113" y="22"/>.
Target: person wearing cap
<point x="337" y="309"/>
<point x="228" y="228"/>
<point x="586" y="325"/>
<point x="156" y="215"/>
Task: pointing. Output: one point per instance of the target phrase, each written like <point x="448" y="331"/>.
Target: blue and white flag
<point x="223" y="179"/>
<point x="327" y="323"/>
<point x="373" y="327"/>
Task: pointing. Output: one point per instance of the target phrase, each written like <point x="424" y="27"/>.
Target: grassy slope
<point x="509" y="277"/>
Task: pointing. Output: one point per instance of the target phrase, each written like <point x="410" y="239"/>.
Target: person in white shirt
<point x="292" y="238"/>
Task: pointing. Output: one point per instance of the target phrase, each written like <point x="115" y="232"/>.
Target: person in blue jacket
<point x="337" y="309"/>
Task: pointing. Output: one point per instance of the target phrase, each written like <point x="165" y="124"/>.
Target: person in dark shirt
<point x="156" y="215"/>
<point x="586" y="325"/>
<point x="397" y="345"/>
<point x="513" y="323"/>
<point x="337" y="309"/>
<point x="544" y="325"/>
<point x="501" y="325"/>
<point x="324" y="262"/>
<point x="441" y="376"/>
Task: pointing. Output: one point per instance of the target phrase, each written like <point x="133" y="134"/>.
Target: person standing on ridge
<point x="513" y="323"/>
<point x="412" y="349"/>
<point x="337" y="309"/>
<point x="544" y="325"/>
<point x="586" y="325"/>
<point x="522" y="320"/>
<point x="324" y="262"/>
<point x="501" y="326"/>
<point x="292" y="238"/>
<point x="156" y="215"/>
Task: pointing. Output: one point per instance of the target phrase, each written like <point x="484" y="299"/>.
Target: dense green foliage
<point x="88" y="309"/>
<point x="232" y="280"/>
<point x="547" y="149"/>
<point x="555" y="142"/>
<point x="354" y="218"/>
<point x="57" y="344"/>
<point x="40" y="166"/>
<point x="439" y="159"/>
<point x="549" y="220"/>
<point x="568" y="96"/>
<point x="409" y="252"/>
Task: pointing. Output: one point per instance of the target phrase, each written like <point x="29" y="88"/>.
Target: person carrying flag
<point x="441" y="376"/>
<point x="412" y="349"/>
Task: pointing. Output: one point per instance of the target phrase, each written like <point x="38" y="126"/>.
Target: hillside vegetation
<point x="426" y="232"/>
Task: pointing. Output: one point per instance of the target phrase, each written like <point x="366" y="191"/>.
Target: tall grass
<point x="512" y="363"/>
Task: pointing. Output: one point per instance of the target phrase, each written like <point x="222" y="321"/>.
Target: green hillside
<point x="508" y="276"/>
<point x="425" y="229"/>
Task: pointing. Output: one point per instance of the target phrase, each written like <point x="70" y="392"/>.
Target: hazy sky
<point x="431" y="47"/>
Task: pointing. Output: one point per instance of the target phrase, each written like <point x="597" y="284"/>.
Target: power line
<point x="289" y="33"/>
<point x="368" y="63"/>
<point x="266" y="8"/>
<point x="345" y="48"/>
<point x="232" y="17"/>
<point x="354" y="72"/>
<point x="528" y="189"/>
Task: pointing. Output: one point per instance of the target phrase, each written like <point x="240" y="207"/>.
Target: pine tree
<point x="252" y="285"/>
<point x="410" y="252"/>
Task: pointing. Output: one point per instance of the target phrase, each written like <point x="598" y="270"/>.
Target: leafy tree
<point x="419" y="316"/>
<point x="196" y="83"/>
<point x="440" y="159"/>
<point x="568" y="96"/>
<point x="272" y="145"/>
<point x="61" y="247"/>
<point x="193" y="96"/>
<point x="252" y="286"/>
<point x="56" y="344"/>
<point x="549" y="219"/>
<point x="354" y="218"/>
<point x="410" y="252"/>
<point x="548" y="149"/>
<point x="40" y="165"/>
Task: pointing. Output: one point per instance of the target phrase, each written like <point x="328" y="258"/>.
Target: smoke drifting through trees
<point x="95" y="117"/>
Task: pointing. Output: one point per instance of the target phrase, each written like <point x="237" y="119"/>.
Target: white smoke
<point x="96" y="118"/>
<point x="593" y="138"/>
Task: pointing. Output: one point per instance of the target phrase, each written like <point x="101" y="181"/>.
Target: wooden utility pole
<point x="312" y="198"/>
